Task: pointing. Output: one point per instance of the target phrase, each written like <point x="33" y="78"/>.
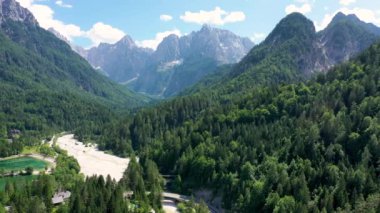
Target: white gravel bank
<point x="91" y="160"/>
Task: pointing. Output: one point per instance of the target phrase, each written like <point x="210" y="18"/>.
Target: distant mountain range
<point x="295" y="51"/>
<point x="180" y="62"/>
<point x="177" y="63"/>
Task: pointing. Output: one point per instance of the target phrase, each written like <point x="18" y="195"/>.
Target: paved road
<point x="184" y="198"/>
<point x="177" y="197"/>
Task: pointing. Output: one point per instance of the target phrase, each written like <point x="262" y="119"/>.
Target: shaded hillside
<point x="47" y="87"/>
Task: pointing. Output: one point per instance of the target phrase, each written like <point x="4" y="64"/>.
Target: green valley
<point x="293" y="126"/>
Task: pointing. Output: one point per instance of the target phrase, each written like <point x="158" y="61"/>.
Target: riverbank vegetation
<point x="139" y="190"/>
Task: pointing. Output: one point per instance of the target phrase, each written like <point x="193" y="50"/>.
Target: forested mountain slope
<point x="68" y="65"/>
<point x="300" y="147"/>
<point x="45" y="86"/>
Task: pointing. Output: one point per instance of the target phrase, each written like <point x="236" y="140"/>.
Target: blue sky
<point x="89" y="22"/>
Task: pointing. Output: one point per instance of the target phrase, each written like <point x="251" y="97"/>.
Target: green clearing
<point x="27" y="150"/>
<point x="20" y="180"/>
<point x="17" y="164"/>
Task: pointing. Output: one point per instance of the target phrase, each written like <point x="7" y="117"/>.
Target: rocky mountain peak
<point x="126" y="41"/>
<point x="293" y="25"/>
<point x="341" y="17"/>
<point x="12" y="10"/>
<point x="352" y="19"/>
<point x="219" y="44"/>
<point x="168" y="42"/>
<point x="168" y="50"/>
<point x="207" y="28"/>
<point x="102" y="46"/>
<point x="345" y="36"/>
<point x="171" y="37"/>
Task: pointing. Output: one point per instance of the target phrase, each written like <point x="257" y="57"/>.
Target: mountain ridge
<point x="294" y="51"/>
<point x="163" y="71"/>
<point x="180" y="62"/>
<point x="11" y="10"/>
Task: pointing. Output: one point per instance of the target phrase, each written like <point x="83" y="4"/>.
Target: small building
<point x="8" y="208"/>
<point x="60" y="197"/>
<point x="128" y="195"/>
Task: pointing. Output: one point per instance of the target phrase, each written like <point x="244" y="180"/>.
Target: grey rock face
<point x="11" y="10"/>
<point x="122" y="61"/>
<point x="80" y="50"/>
<point x="222" y="45"/>
<point x="176" y="61"/>
<point x="181" y="62"/>
<point x="345" y="37"/>
<point x="168" y="50"/>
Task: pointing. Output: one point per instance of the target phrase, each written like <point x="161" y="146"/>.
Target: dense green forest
<point x="300" y="147"/>
<point x="93" y="194"/>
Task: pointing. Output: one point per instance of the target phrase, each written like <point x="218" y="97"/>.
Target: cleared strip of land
<point x="169" y="206"/>
<point x="91" y="160"/>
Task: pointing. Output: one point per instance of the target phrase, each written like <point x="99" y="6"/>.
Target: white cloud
<point x="45" y="17"/>
<point x="215" y="17"/>
<point x="103" y="33"/>
<point x="258" y="37"/>
<point x="99" y="32"/>
<point x="25" y="3"/>
<point x="234" y="17"/>
<point x="302" y="1"/>
<point x="323" y="24"/>
<point x="153" y="43"/>
<point x="346" y="2"/>
<point x="62" y="4"/>
<point x="363" y="14"/>
<point x="166" y="17"/>
<point x="304" y="9"/>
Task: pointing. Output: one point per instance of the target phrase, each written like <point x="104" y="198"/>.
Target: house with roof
<point x="60" y="197"/>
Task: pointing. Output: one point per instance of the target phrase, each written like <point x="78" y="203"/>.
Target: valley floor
<point x="91" y="160"/>
<point x="95" y="162"/>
